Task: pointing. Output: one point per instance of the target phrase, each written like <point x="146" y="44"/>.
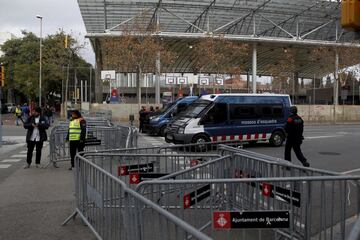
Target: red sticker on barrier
<point x="134" y="178"/>
<point x="222" y="220"/>
<point x="187" y="201"/>
<point x="194" y="162"/>
<point x="123" y="171"/>
<point x="266" y="189"/>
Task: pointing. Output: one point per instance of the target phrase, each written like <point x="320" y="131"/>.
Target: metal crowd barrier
<point x="113" y="211"/>
<point x="90" y="121"/>
<point x="98" y="138"/>
<point x="223" y="192"/>
<point x="135" y="168"/>
<point x="107" y="114"/>
<point x="210" y="148"/>
<point x="261" y="208"/>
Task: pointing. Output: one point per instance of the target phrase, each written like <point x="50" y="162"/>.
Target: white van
<point x="232" y="117"/>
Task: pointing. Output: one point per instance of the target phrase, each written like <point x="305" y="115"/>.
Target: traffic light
<point x="350" y="15"/>
<point x="2" y="76"/>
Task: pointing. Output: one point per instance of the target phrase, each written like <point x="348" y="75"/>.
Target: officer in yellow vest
<point x="18" y="114"/>
<point x="76" y="135"/>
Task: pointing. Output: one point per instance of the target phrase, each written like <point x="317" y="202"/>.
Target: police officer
<point x="18" y="114"/>
<point x="294" y="129"/>
<point x="76" y="135"/>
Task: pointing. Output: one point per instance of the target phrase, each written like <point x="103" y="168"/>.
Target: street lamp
<point x="40" y="67"/>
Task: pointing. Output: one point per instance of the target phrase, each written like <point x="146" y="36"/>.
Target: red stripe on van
<point x="223" y="138"/>
<point x="264" y="135"/>
<point x="232" y="137"/>
<point x="240" y="137"/>
<point x="256" y="136"/>
<point x="248" y="136"/>
<point x="214" y="138"/>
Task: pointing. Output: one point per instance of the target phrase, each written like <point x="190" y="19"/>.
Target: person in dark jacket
<point x="36" y="126"/>
<point x="294" y="129"/>
<point x="142" y="118"/>
<point x="76" y="135"/>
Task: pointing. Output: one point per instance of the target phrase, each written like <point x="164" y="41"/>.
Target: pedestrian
<point x="157" y="109"/>
<point x="18" y="114"/>
<point x="76" y="135"/>
<point x="25" y="111"/>
<point x="294" y="129"/>
<point x="152" y="109"/>
<point x="142" y="118"/>
<point x="36" y="126"/>
<point x="49" y="114"/>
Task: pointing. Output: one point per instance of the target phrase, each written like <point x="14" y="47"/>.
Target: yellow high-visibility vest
<point x="75" y="130"/>
<point x="18" y="111"/>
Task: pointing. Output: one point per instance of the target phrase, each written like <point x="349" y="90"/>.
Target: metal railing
<point x="107" y="114"/>
<point x="198" y="187"/>
<point x="113" y="211"/>
<point x="134" y="168"/>
<point x="98" y="138"/>
<point x="317" y="207"/>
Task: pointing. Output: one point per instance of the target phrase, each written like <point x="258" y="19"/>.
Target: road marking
<point x="22" y="152"/>
<point x="5" y="165"/>
<point x="18" y="156"/>
<point x="318" y="137"/>
<point x="351" y="171"/>
<point x="11" y="160"/>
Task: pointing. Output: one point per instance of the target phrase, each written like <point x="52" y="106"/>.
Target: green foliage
<point x="21" y="58"/>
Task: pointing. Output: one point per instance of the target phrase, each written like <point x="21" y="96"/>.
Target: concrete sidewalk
<point x="34" y="202"/>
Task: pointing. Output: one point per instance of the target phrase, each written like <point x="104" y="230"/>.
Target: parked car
<point x="232" y="117"/>
<point x="10" y="107"/>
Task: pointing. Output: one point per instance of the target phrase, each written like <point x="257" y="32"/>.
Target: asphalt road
<point x="331" y="147"/>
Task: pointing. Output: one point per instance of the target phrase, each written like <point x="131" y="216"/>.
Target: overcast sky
<point x="17" y="15"/>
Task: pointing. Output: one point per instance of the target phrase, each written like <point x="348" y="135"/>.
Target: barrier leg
<point x="71" y="217"/>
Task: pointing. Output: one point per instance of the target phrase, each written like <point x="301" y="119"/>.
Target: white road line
<point x="5" y="165"/>
<point x="11" y="160"/>
<point x="319" y="137"/>
<point x="22" y="152"/>
<point x="351" y="171"/>
<point x="18" y="156"/>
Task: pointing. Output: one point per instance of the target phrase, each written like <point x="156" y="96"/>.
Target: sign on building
<point x="204" y="81"/>
<point x="108" y="75"/>
<point x="170" y="80"/>
<point x="182" y="80"/>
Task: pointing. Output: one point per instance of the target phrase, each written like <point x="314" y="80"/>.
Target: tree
<point x="282" y="72"/>
<point x="21" y="58"/>
<point x="137" y="50"/>
<point x="215" y="54"/>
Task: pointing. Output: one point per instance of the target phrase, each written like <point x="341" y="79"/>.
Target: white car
<point x="10" y="107"/>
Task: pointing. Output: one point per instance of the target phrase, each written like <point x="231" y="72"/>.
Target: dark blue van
<point x="232" y="117"/>
<point x="157" y="123"/>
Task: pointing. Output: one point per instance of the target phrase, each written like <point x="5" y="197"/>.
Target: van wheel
<point x="277" y="139"/>
<point x="201" y="140"/>
<point x="162" y="131"/>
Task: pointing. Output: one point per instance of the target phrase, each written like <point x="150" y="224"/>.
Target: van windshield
<point x="194" y="109"/>
<point x="165" y="109"/>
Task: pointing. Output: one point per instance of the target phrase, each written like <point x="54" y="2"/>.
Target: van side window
<point x="278" y="111"/>
<point x="239" y="111"/>
<point x="216" y="115"/>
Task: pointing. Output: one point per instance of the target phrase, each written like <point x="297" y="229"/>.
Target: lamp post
<point x="40" y="67"/>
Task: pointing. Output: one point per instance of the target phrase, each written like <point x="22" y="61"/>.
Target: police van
<point x="232" y="117"/>
<point x="158" y="122"/>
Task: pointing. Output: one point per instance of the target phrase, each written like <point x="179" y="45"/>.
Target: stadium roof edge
<point x="248" y="39"/>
